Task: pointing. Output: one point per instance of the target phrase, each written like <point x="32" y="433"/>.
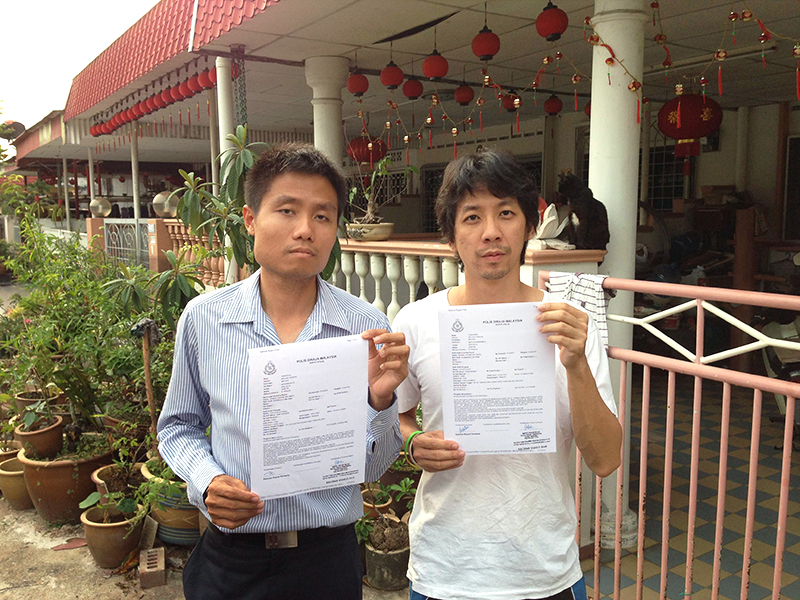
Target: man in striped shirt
<point x="301" y="546"/>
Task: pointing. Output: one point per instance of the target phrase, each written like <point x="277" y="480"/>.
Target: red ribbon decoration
<point x="407" y="155"/>
<point x="430" y="139"/>
<point x="189" y="115"/>
<point x="638" y="110"/>
<point x="480" y="117"/>
<point x="180" y="118"/>
<point x="679" y="114"/>
<point x="576" y="99"/>
<point x="797" y="80"/>
<point x="198" y="112"/>
<point x="517" y="121"/>
<point x="162" y="125"/>
<point x="208" y="108"/>
<point x="719" y="79"/>
<point x="764" y="29"/>
<point x="455" y="149"/>
<point x="170" y="121"/>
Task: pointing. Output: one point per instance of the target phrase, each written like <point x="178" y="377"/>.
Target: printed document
<point x="308" y="416"/>
<point x="498" y="379"/>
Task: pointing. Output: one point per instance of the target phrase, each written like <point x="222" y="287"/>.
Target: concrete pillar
<point x="90" y="183"/>
<point x="213" y="134"/>
<point x="742" y="124"/>
<point x="65" y="179"/>
<point x="644" y="191"/>
<point x="227" y="121"/>
<point x="135" y="185"/>
<point x="614" y="179"/>
<point x="326" y="76"/>
<point x="158" y="242"/>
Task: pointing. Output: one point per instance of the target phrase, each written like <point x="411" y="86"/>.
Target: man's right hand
<point x="230" y="502"/>
<point x="434" y="453"/>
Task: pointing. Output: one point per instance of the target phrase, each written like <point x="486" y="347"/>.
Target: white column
<point x="326" y="76"/>
<point x="550" y="132"/>
<point x="65" y="178"/>
<point x="378" y="270"/>
<point x="411" y="275"/>
<point x="362" y="270"/>
<point x="614" y="179"/>
<point x="213" y="134"/>
<point x="135" y="184"/>
<point x="90" y="183"/>
<point x="742" y="124"/>
<point x="644" y="192"/>
<point x="227" y="125"/>
<point x="348" y="268"/>
<point x="449" y="272"/>
<point x="393" y="269"/>
<point x="431" y="271"/>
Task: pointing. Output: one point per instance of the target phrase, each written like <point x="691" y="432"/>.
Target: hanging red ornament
<point x="151" y="104"/>
<point x="204" y="79"/>
<point x="480" y="102"/>
<point x="654" y="6"/>
<point x="719" y="56"/>
<point x="435" y="99"/>
<point x="185" y="90"/>
<point x="194" y="84"/>
<point x="509" y="101"/>
<point x="551" y="22"/>
<point x="576" y="79"/>
<point x="594" y="39"/>
<point x="535" y="86"/>
<point x="763" y="38"/>
<point x="454" y="133"/>
<point x="392" y="76"/>
<point x="435" y="66"/>
<point x="547" y="60"/>
<point x="175" y="92"/>
<point x="553" y="105"/>
<point x="212" y="75"/>
<point x="659" y="38"/>
<point x="486" y="44"/>
<point x="366" y="150"/>
<point x="733" y="17"/>
<point x="122" y="179"/>
<point x="559" y="56"/>
<point x="587" y="22"/>
<point x="609" y="63"/>
<point x="747" y="16"/>
<point x="357" y="84"/>
<point x="470" y="122"/>
<point x="464" y="94"/>
<point x="413" y="88"/>
<point x="796" y="54"/>
<point x="688" y="118"/>
<point x="635" y="86"/>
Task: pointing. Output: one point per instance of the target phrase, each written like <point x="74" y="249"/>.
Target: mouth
<point x="493" y="254"/>
<point x="302" y="252"/>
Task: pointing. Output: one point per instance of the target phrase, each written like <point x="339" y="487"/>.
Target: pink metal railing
<point x="701" y="299"/>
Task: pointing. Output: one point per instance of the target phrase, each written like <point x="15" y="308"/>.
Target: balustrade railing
<point x="121" y="241"/>
<point x="213" y="267"/>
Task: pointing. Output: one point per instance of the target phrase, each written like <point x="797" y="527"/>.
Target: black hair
<point x="292" y="158"/>
<point x="495" y="171"/>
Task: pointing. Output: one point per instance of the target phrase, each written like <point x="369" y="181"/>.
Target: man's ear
<point x="531" y="231"/>
<point x="249" y="219"/>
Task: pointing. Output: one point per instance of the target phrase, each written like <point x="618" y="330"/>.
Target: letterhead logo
<point x="458" y="326"/>
<point x="270" y="368"/>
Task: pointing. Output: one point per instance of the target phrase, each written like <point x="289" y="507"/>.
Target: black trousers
<point x="324" y="566"/>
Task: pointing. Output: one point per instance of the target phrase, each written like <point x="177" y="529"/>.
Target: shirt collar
<point x="247" y="304"/>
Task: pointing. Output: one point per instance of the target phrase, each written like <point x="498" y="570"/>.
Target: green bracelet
<point x="409" y="456"/>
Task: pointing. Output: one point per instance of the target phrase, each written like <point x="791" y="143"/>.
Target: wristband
<point x="409" y="450"/>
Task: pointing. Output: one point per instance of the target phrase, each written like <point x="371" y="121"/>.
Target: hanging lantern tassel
<point x="517" y="121"/>
<point x="576" y="99"/>
<point x="719" y="79"/>
<point x="162" y="125"/>
<point x="797" y="80"/>
<point x="180" y="118"/>
<point x="189" y="116"/>
<point x="455" y="149"/>
<point x="638" y="109"/>
<point x="430" y="139"/>
<point x="170" y="121"/>
<point x="208" y="108"/>
<point x="198" y="112"/>
<point x="679" y="115"/>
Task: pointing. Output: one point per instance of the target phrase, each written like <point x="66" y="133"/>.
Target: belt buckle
<point x="281" y="539"/>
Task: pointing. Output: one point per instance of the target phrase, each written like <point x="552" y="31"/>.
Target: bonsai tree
<point x="377" y="192"/>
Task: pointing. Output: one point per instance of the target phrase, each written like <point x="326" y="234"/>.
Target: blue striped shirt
<point x="209" y="385"/>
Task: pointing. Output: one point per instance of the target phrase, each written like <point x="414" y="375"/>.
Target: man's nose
<point x="304" y="229"/>
<point x="491" y="231"/>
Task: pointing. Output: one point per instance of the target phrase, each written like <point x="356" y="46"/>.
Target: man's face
<point x="295" y="226"/>
<point x="489" y="235"/>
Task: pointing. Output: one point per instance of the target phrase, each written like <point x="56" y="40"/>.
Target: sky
<point x="46" y="43"/>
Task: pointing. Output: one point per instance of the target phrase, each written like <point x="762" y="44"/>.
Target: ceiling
<point x="278" y="98"/>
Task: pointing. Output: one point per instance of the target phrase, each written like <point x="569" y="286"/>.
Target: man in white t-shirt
<point x="500" y="527"/>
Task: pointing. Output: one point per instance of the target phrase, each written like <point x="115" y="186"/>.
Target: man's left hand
<point x="566" y="327"/>
<point x="388" y="367"/>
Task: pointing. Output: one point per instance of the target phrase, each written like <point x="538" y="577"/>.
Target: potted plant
<point x="12" y="484"/>
<point x="177" y="518"/>
<point x="387" y="551"/>
<point x="370" y="197"/>
<point x="376" y="499"/>
<point x="40" y="432"/>
<point x="112" y="525"/>
<point x="404" y="494"/>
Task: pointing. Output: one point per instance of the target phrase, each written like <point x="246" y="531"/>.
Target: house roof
<point x="163" y="33"/>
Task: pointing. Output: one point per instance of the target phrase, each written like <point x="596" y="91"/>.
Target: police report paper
<point x="498" y="379"/>
<point x="308" y="416"/>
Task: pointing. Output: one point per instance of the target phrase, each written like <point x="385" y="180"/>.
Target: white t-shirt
<point x="498" y="527"/>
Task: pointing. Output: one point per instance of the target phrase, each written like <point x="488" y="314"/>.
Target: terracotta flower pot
<point x="110" y="543"/>
<point x="369" y="509"/>
<point x="100" y="476"/>
<point x="12" y="483"/>
<point x="178" y="520"/>
<point x="43" y="443"/>
<point x="23" y="401"/>
<point x="57" y="487"/>
<point x="9" y="450"/>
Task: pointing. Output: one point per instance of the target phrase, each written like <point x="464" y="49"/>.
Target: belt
<point x="277" y="540"/>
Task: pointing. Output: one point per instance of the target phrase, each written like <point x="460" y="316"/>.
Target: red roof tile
<point x="160" y="35"/>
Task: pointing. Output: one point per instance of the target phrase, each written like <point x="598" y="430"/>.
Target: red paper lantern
<point x="358" y="149"/>
<point x="392" y="76"/>
<point x="357" y="84"/>
<point x="175" y="92"/>
<point x="159" y="101"/>
<point x="553" y="105"/>
<point x="115" y="120"/>
<point x="194" y="84"/>
<point x="129" y="115"/>
<point x="464" y="94"/>
<point x="435" y="67"/>
<point x="204" y="79"/>
<point x="93" y="130"/>
<point x="212" y="75"/>
<point x="166" y="97"/>
<point x="511" y="101"/>
<point x="124" y="117"/>
<point x="588" y="109"/>
<point x="143" y="108"/>
<point x="486" y="44"/>
<point x="71" y="182"/>
<point x="688" y="118"/>
<point x="413" y="89"/>
<point x="137" y="110"/>
<point x="151" y="104"/>
<point x="185" y="91"/>
<point x="105" y="128"/>
<point x="552" y="22"/>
